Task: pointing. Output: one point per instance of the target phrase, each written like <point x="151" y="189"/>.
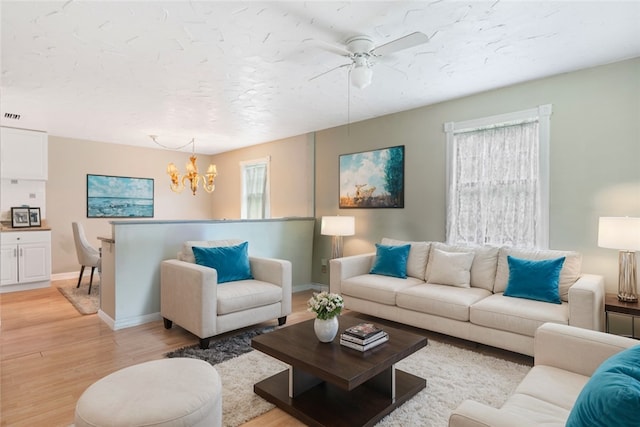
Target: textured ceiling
<point x="232" y="74"/>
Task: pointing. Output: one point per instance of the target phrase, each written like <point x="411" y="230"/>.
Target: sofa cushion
<point x="373" y="287"/>
<point x="518" y="315"/>
<point x="612" y="395"/>
<point x="451" y="268"/>
<point x="483" y="268"/>
<point x="553" y="385"/>
<point x="536" y="280"/>
<point x="245" y="294"/>
<point x="536" y="411"/>
<point x="440" y="300"/>
<point x="568" y="275"/>
<point x="231" y="262"/>
<point x="391" y="260"/>
<point x="186" y="253"/>
<point x="418" y="256"/>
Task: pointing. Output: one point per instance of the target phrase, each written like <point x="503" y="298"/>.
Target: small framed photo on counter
<point x="20" y="217"/>
<point x="34" y="217"/>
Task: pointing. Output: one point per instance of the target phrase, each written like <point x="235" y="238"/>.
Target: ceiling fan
<point x="362" y="53"/>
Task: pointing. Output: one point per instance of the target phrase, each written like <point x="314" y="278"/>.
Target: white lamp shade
<point x="622" y="233"/>
<point x="338" y="226"/>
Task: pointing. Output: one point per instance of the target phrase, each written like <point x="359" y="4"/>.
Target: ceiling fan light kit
<point x="361" y="76"/>
<point x="361" y="51"/>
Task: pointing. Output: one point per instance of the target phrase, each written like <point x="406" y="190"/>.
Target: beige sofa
<point x="480" y="312"/>
<point x="191" y="297"/>
<point x="565" y="359"/>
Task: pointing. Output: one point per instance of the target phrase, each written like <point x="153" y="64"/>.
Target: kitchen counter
<point x="5" y="229"/>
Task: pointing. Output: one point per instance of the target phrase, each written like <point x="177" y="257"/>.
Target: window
<point x="255" y="189"/>
<point x="498" y="179"/>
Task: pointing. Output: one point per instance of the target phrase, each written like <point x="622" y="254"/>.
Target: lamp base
<point x="627" y="287"/>
<point x="336" y="247"/>
<point x="627" y="298"/>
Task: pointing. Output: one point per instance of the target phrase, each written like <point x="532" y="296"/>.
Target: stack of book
<point x="363" y="336"/>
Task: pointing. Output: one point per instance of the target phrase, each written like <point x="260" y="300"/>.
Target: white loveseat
<point x="191" y="296"/>
<point x="565" y="359"/>
<point x="480" y="312"/>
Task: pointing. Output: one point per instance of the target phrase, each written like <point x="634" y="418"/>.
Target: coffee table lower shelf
<point x="329" y="405"/>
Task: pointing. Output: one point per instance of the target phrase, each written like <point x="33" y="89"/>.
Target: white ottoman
<point x="167" y="392"/>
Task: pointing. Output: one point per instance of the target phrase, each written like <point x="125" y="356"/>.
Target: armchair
<point x="191" y="296"/>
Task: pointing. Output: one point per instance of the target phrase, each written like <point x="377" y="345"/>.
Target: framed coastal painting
<point x="372" y="179"/>
<point x="119" y="197"/>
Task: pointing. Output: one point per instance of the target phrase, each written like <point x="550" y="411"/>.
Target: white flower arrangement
<point x="326" y="305"/>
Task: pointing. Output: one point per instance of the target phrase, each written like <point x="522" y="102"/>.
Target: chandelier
<point x="177" y="184"/>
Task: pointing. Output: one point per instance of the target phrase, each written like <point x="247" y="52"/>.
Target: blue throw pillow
<point x="536" y="280"/>
<point x="611" y="397"/>
<point x="231" y="262"/>
<point x="391" y="260"/>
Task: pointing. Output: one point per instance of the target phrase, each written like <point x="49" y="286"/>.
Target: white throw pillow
<point x="483" y="268"/>
<point x="418" y="255"/>
<point x="451" y="268"/>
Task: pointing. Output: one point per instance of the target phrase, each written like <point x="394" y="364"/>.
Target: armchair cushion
<point x="612" y="395"/>
<point x="246" y="294"/>
<point x="231" y="262"/>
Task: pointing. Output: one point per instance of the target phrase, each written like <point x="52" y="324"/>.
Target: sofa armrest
<point x="586" y="302"/>
<point x="575" y="349"/>
<point x="473" y="414"/>
<point x="350" y="266"/>
<point x="188" y="294"/>
<point x="276" y="271"/>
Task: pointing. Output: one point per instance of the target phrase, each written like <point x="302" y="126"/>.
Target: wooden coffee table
<point x="331" y="385"/>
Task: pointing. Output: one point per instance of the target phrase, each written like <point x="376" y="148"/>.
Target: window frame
<point x="243" y="190"/>
<point x="542" y="114"/>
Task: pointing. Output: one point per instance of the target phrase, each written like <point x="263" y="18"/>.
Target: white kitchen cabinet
<point x="23" y="154"/>
<point x="26" y="260"/>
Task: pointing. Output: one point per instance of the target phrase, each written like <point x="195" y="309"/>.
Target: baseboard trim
<point x="128" y="322"/>
<point x="310" y="286"/>
<point x="74" y="274"/>
<point x="24" y="286"/>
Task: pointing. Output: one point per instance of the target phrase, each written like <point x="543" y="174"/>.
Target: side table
<point x="613" y="305"/>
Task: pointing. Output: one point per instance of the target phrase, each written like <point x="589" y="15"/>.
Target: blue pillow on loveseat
<point x="611" y="397"/>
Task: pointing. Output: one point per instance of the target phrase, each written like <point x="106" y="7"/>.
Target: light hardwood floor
<point x="49" y="354"/>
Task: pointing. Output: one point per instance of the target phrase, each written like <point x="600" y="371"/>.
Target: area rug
<point x="222" y="349"/>
<point x="453" y="375"/>
<point x="83" y="302"/>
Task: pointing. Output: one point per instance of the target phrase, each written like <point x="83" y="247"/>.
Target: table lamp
<point x="337" y="226"/>
<point x="622" y="233"/>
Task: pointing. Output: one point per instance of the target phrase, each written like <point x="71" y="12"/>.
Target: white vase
<point x="326" y="330"/>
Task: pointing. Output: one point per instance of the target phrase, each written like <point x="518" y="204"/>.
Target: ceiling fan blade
<point x="410" y="40"/>
<point x="330" y="47"/>
<point x="328" y="71"/>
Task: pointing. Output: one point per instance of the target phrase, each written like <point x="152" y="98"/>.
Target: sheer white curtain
<point x="255" y="177"/>
<point x="495" y="191"/>
<point x="498" y="179"/>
